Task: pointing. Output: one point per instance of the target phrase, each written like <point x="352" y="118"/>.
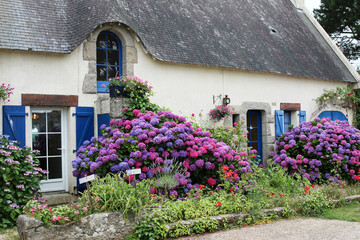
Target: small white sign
<point x="86" y="179"/>
<point x="133" y="171"/>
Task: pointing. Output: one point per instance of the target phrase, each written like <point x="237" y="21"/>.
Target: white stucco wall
<point x="188" y="89"/>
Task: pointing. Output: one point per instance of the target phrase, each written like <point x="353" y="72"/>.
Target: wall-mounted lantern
<point x="226" y="100"/>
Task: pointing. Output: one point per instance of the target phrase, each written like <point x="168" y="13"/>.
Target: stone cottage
<point x="270" y="57"/>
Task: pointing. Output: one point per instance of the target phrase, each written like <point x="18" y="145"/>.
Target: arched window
<point x="108" y="59"/>
<point x="333" y="115"/>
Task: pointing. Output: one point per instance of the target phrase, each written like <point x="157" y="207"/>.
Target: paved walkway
<point x="295" y="229"/>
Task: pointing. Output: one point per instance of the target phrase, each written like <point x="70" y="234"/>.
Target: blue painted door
<point x="255" y="131"/>
<point x="333" y="115"/>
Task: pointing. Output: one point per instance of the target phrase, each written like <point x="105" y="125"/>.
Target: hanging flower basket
<point x="219" y="112"/>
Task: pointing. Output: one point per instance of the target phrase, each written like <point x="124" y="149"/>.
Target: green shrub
<point x="20" y="177"/>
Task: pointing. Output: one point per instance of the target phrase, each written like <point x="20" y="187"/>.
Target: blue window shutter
<point x="84" y="124"/>
<point x="14" y="123"/>
<point x="302" y="116"/>
<point x="279" y="123"/>
<point x="103" y="119"/>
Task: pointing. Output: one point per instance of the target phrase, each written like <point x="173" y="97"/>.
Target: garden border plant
<point x="20" y="174"/>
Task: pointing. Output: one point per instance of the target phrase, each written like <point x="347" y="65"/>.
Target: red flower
<point x="281" y="195"/>
<point x="272" y="193"/>
<point x="211" y="182"/>
<point x="261" y="165"/>
<point x="231" y="189"/>
<point x="309" y="192"/>
<point x="232" y="194"/>
<point x="313" y="185"/>
<point x="201" y="186"/>
<point x="358" y="177"/>
<point x="267" y="195"/>
<point x="218" y="204"/>
<point x="305" y="191"/>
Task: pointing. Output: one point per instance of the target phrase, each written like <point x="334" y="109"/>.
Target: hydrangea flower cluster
<point x="152" y="138"/>
<point x="321" y="149"/>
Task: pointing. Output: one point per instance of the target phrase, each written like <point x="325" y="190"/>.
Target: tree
<point x="341" y="19"/>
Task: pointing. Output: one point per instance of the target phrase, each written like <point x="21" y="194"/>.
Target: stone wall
<point x="95" y="226"/>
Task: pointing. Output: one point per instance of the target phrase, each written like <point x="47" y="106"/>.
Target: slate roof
<point x="262" y="35"/>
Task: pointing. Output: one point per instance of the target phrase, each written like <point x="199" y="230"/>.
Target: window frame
<point x="100" y="84"/>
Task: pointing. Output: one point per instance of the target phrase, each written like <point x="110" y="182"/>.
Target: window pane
<point x="253" y="121"/>
<point x="43" y="164"/>
<point x="113" y="57"/>
<point x="113" y="72"/>
<point x="100" y="56"/>
<point x="39" y="143"/>
<point x="38" y="122"/>
<point x="54" y="121"/>
<point x="112" y="42"/>
<point x="101" y="73"/>
<point x="101" y="41"/>
<point x="54" y="141"/>
<point x="55" y="170"/>
<point x="253" y="134"/>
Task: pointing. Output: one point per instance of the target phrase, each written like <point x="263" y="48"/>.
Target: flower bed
<point x="149" y="141"/>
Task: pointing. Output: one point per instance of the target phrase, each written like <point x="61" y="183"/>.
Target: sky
<point x="311" y="4"/>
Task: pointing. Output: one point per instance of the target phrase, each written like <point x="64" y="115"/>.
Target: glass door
<point x="48" y="137"/>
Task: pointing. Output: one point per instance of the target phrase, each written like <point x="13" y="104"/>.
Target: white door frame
<point x="56" y="184"/>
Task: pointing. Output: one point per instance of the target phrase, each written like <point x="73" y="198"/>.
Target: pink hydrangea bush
<point x="153" y="138"/>
<point x="321" y="149"/>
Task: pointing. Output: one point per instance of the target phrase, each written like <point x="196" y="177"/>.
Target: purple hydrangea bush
<point x="153" y="138"/>
<point x="321" y="149"/>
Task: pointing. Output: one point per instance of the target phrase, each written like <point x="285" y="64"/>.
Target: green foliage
<point x="341" y="96"/>
<point x="114" y="194"/>
<point x="275" y="179"/>
<point x="314" y="203"/>
<point x="199" y="208"/>
<point x="341" y="19"/>
<point x="19" y="180"/>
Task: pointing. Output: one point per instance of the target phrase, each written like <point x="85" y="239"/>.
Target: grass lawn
<point x="347" y="212"/>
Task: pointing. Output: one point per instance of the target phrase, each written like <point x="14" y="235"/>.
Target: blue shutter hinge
<point x="74" y="114"/>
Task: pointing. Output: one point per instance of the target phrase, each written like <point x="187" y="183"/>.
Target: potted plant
<point x="5" y="92"/>
<point x="116" y="87"/>
<point x="220" y="112"/>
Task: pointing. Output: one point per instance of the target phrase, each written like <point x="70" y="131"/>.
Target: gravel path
<point x="295" y="229"/>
